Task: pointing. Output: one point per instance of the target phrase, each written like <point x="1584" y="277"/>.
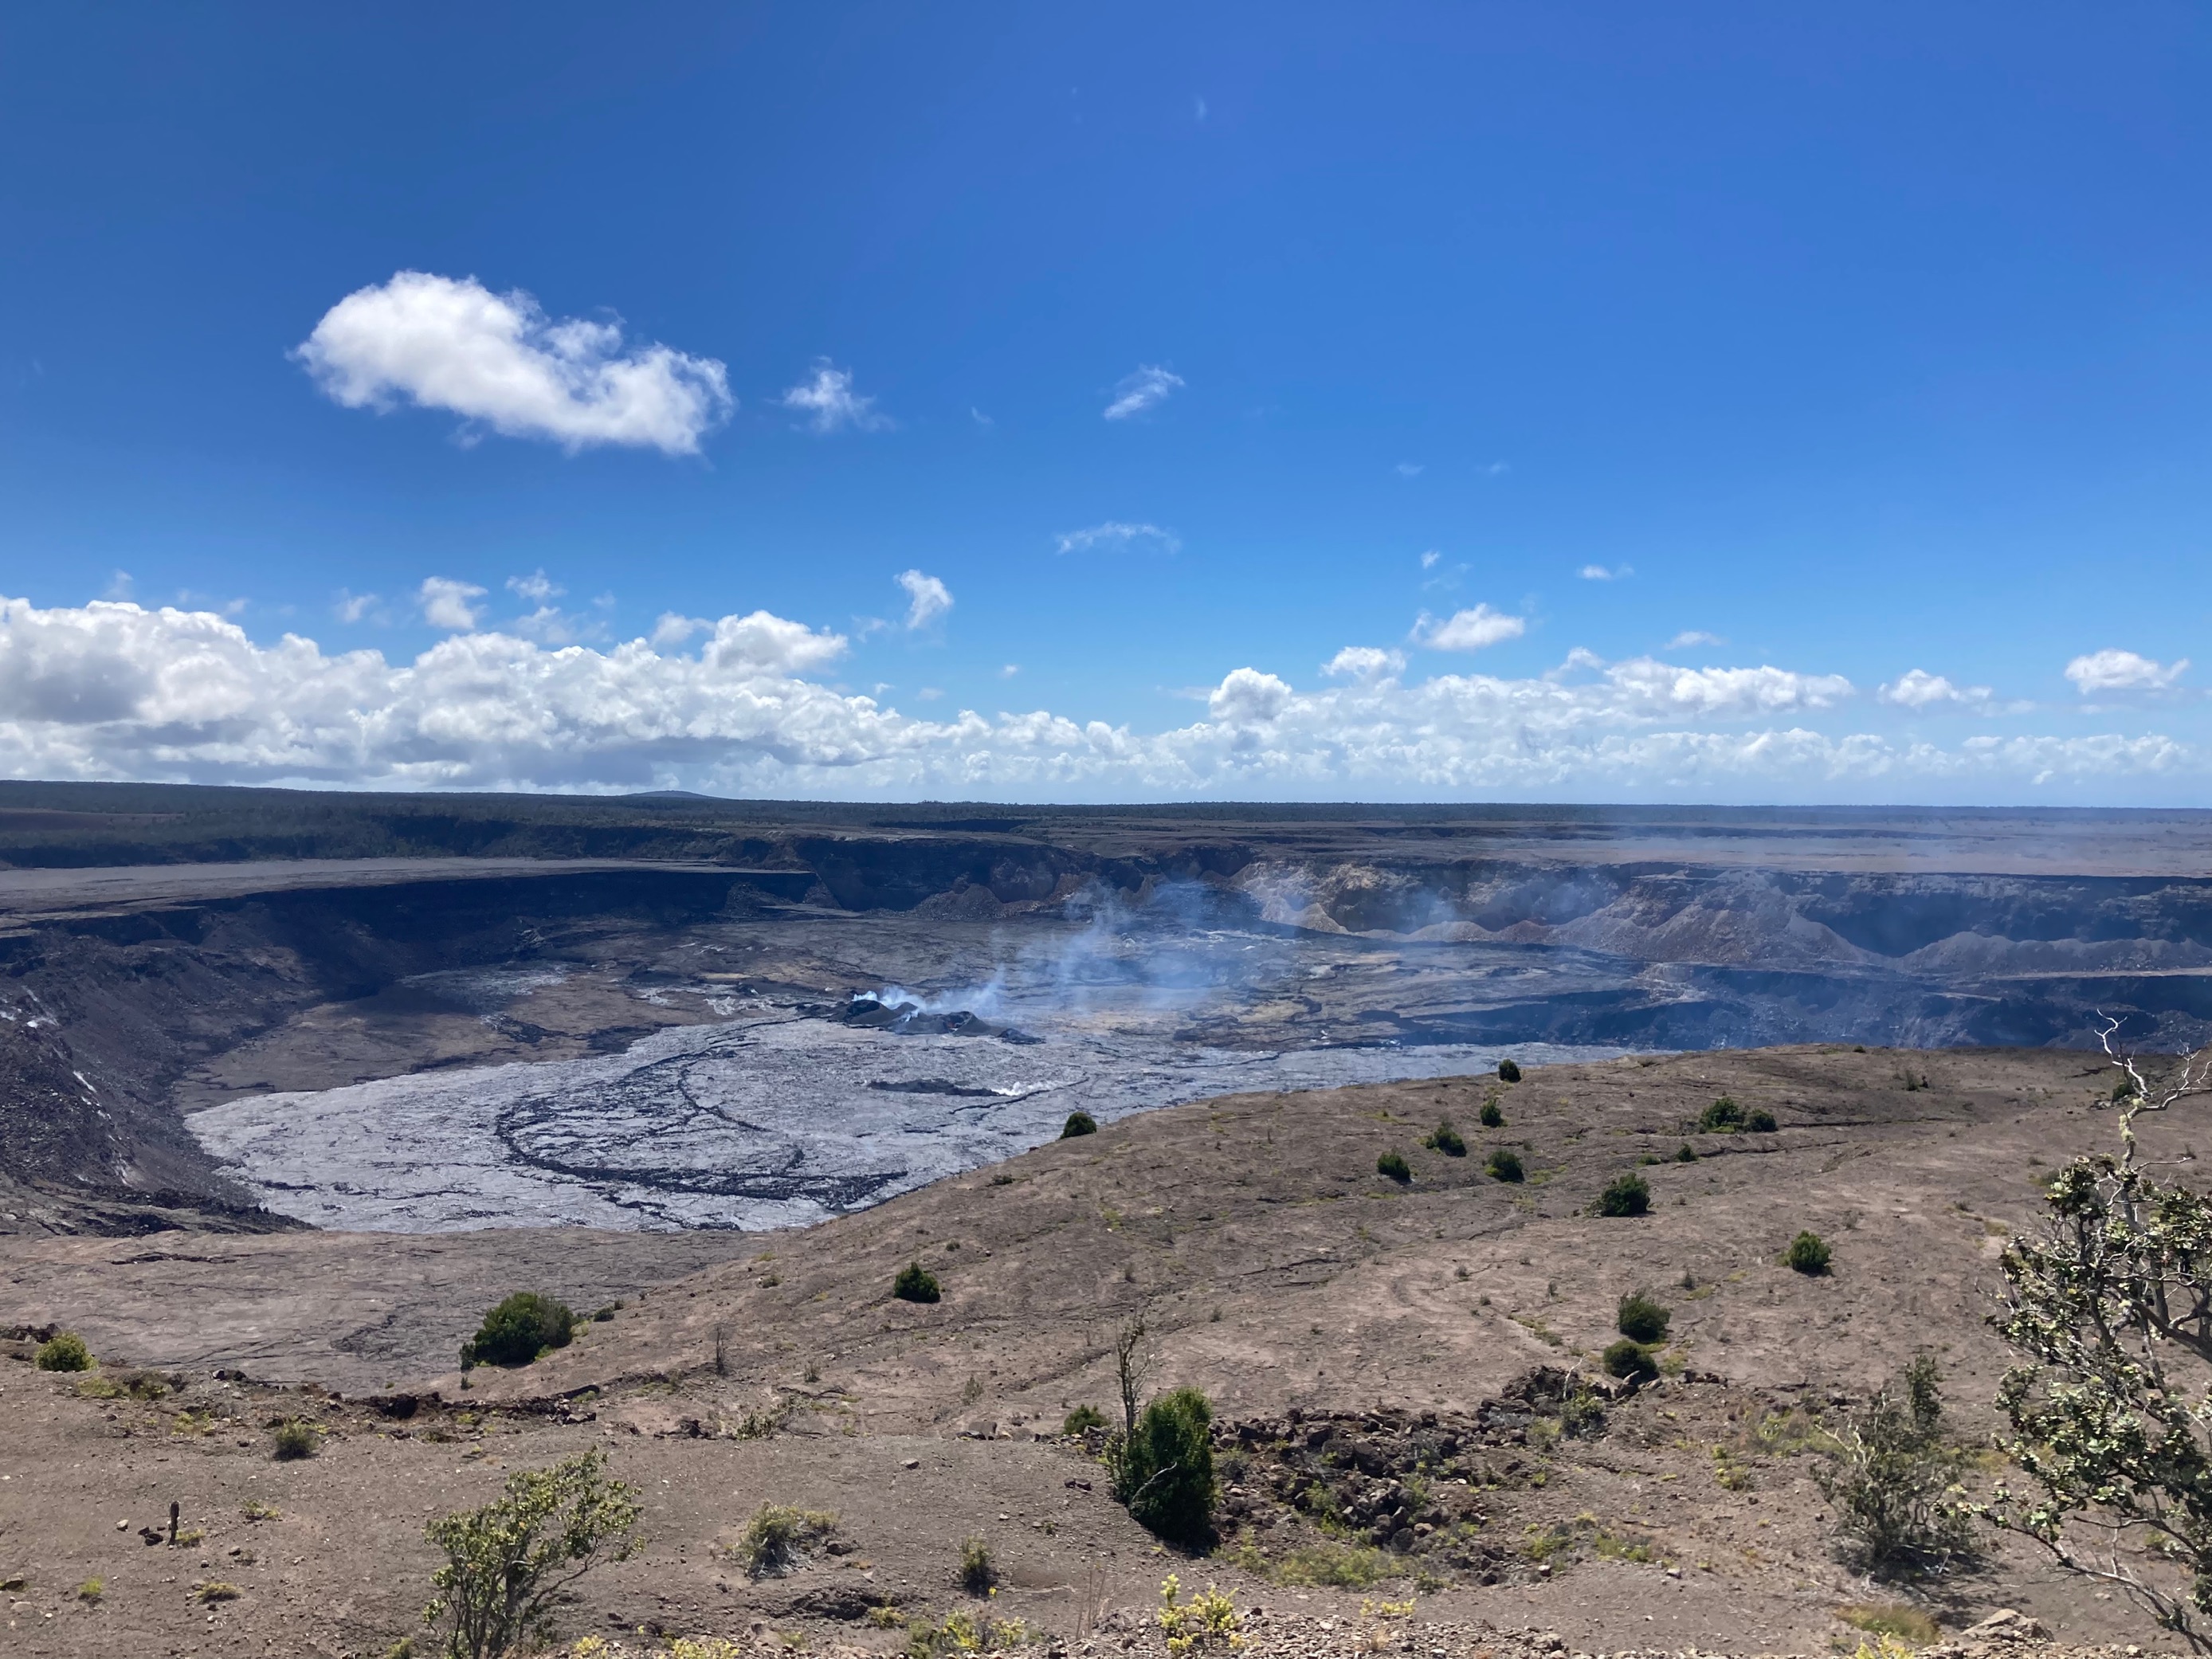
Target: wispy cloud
<point x="829" y="403"/>
<point x="1149" y="386"/>
<point x="1429" y="559"/>
<point x="1114" y="536"/>
<point x="448" y="603"/>
<point x="1010" y="670"/>
<point x="1690" y="638"/>
<point x="927" y="598"/>
<point x="2122" y="670"/>
<point x="1468" y="631"/>
<point x="1598" y="573"/>
<point x="1408" y="469"/>
<point x="440" y="342"/>
<point x="354" y="608"/>
<point x="536" y="587"/>
<point x="120" y="587"/>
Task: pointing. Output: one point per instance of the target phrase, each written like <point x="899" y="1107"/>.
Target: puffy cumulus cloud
<point x="2122" y="670"/>
<point x="927" y="598"/>
<point x="1148" y="388"/>
<point x="830" y="404"/>
<point x="496" y="359"/>
<point x="1468" y="631"/>
<point x="1921" y="691"/>
<point x="449" y="605"/>
<point x="1114" y="536"/>
<point x="1365" y="663"/>
<point x="736" y="707"/>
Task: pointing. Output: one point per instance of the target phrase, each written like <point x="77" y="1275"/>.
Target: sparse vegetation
<point x="1208" y="1621"/>
<point x="1759" y="1122"/>
<point x="1320" y="1567"/>
<point x="1394" y="1165"/>
<point x="1079" y="1123"/>
<point x="977" y="1574"/>
<point x="915" y="1283"/>
<point x="1627" y="1358"/>
<point x="1898" y="1620"/>
<point x="92" y="1589"/>
<point x="214" y="1589"/>
<point x="1624" y="1195"/>
<point x="1163" y="1467"/>
<point x="295" y="1439"/>
<point x="1685" y="1153"/>
<point x="1446" y="1140"/>
<point x="517" y="1331"/>
<point x="506" y="1561"/>
<point x="1508" y="1071"/>
<point x="64" y="1352"/>
<point x="1082" y="1419"/>
<point x="1503" y="1163"/>
<point x="1492" y="1116"/>
<point x="778" y="1537"/>
<point x="1641" y="1319"/>
<point x="1893" y="1481"/>
<point x="1806" y="1254"/>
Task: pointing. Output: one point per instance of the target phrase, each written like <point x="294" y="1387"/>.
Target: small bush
<point x="1083" y="1417"/>
<point x="1503" y="1163"/>
<point x="506" y="1560"/>
<point x="1642" y="1319"/>
<point x="1492" y="1117"/>
<point x="1722" y="1117"/>
<point x="65" y="1353"/>
<point x="1394" y="1164"/>
<point x="1446" y="1140"/>
<point x="520" y="1328"/>
<point x="1625" y="1194"/>
<point x="1208" y="1621"/>
<point x="214" y="1589"/>
<point x="1685" y="1153"/>
<point x="295" y="1439"/>
<point x="1806" y="1254"/>
<point x="1892" y="1479"/>
<point x="915" y="1283"/>
<point x="777" y="1536"/>
<point x="1630" y="1358"/>
<point x="1079" y="1123"/>
<point x="977" y="1575"/>
<point x="92" y="1589"/>
<point x="1759" y="1122"/>
<point x="1508" y="1071"/>
<point x="1163" y="1470"/>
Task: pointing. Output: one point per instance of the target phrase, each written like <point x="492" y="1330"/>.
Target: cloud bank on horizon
<point x="115" y="690"/>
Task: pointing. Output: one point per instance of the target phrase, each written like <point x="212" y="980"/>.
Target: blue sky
<point x="1873" y="347"/>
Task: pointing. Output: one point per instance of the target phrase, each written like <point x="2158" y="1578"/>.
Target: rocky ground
<point x="1399" y="1470"/>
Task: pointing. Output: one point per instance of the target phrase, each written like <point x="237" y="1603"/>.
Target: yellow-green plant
<point x="1208" y="1619"/>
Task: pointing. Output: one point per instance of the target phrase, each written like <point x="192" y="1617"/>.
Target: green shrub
<point x="1508" y="1071"/>
<point x="1083" y="1417"/>
<point x="520" y="1328"/>
<point x="1394" y="1164"/>
<point x="1641" y="1318"/>
<point x="1806" y="1254"/>
<point x="1505" y="1165"/>
<point x="65" y="1353"/>
<point x="1722" y="1117"/>
<point x="1892" y="1480"/>
<point x="507" y="1560"/>
<point x="1492" y="1117"/>
<point x="293" y="1440"/>
<point x="1625" y="1194"/>
<point x="1163" y="1469"/>
<point x="1760" y="1121"/>
<point x="1629" y="1358"/>
<point x="1685" y="1153"/>
<point x="1079" y="1123"/>
<point x="777" y="1538"/>
<point x="977" y="1575"/>
<point x="1446" y="1140"/>
<point x="915" y="1283"/>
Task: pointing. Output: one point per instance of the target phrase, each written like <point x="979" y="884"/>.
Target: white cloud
<point x="1409" y="469"/>
<point x="830" y="404"/>
<point x="115" y="690"/>
<point x="1429" y="559"/>
<point x="1468" y="631"/>
<point x="1135" y="393"/>
<point x="980" y="417"/>
<point x="440" y="342"/>
<point x="928" y="598"/>
<point x="1365" y="664"/>
<point x="353" y="609"/>
<point x="2122" y="670"/>
<point x="119" y="586"/>
<point x="1247" y="697"/>
<point x="1690" y="637"/>
<point x="535" y="587"/>
<point x="447" y="604"/>
<point x="1114" y="536"/>
<point x="1919" y="690"/>
<point x="1010" y="670"/>
<point x="1598" y="573"/>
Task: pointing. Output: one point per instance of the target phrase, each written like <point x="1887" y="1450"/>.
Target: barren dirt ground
<point x="1370" y="1337"/>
